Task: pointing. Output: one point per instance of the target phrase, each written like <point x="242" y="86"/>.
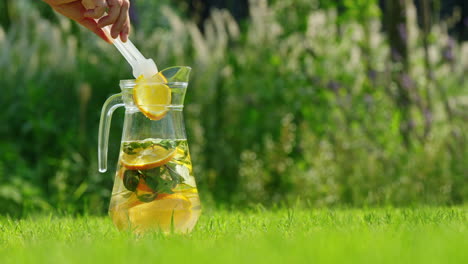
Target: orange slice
<point x="142" y="186"/>
<point x="148" y="158"/>
<point x="161" y="213"/>
<point x="152" y="96"/>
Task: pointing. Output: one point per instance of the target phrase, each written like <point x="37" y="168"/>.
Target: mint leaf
<point x="146" y="144"/>
<point x="152" y="173"/>
<point x="131" y="179"/>
<point x="154" y="180"/>
<point x="160" y="181"/>
<point x="183" y="187"/>
<point x="147" y="197"/>
<point x="165" y="186"/>
<point x="167" y="144"/>
<point x="175" y="176"/>
<point x="128" y="149"/>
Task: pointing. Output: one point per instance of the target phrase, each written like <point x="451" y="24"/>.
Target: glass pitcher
<point x="154" y="187"/>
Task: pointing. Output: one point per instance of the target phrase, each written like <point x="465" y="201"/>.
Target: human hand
<point x="85" y="11"/>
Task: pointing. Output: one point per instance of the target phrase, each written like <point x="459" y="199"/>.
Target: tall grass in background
<point x="293" y="106"/>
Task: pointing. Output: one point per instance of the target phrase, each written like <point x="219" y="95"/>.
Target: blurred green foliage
<point x="296" y="105"/>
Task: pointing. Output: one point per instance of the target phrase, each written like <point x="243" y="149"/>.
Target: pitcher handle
<point x="112" y="103"/>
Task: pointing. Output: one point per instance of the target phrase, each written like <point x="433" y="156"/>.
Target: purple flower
<point x="403" y="31"/>
<point x="334" y="86"/>
<point x="447" y="52"/>
<point x="368" y="99"/>
<point x="406" y="81"/>
<point x="372" y="74"/>
<point x="428" y="114"/>
<point x="396" y="56"/>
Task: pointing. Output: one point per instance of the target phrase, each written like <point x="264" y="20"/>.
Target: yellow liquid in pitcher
<point x="154" y="187"/>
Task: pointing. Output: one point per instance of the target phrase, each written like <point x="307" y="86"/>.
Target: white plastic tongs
<point x="140" y="64"/>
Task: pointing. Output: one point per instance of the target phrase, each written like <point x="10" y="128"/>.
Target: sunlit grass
<point x="427" y="235"/>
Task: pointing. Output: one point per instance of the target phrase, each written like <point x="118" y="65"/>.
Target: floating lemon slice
<point x="119" y="206"/>
<point x="148" y="158"/>
<point x="152" y="96"/>
<point x="163" y="213"/>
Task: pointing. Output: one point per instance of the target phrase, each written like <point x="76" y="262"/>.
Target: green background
<point x="290" y="103"/>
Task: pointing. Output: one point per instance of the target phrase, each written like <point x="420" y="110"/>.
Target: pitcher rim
<point x="130" y="83"/>
<point x="172" y="76"/>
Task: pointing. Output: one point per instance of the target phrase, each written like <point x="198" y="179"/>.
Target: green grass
<point x="425" y="235"/>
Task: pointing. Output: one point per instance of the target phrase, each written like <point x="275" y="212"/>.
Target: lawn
<point x="422" y="235"/>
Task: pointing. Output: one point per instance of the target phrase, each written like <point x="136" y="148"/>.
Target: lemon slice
<point x="152" y="96"/>
<point x="120" y="203"/>
<point x="161" y="213"/>
<point x="148" y="158"/>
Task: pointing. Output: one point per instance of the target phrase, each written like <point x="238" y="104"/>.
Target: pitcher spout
<point x="177" y="74"/>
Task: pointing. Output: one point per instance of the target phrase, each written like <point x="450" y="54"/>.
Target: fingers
<point x="95" y="13"/>
<point x="121" y="22"/>
<point x="125" y="32"/>
<point x="88" y="4"/>
<point x="114" y="12"/>
<point x="58" y="2"/>
<point x="85" y="11"/>
<point x="75" y="11"/>
<point x="119" y="17"/>
<point x="96" y="8"/>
